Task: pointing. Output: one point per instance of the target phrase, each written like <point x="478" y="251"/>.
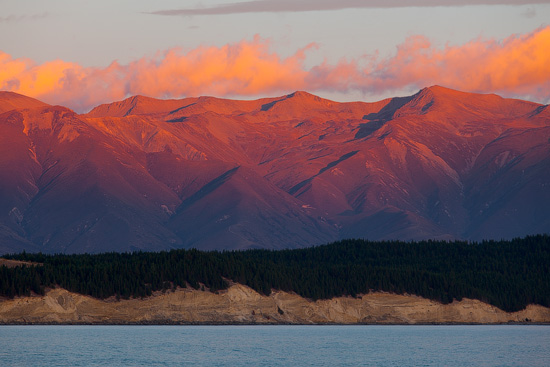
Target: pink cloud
<point x="516" y="66"/>
<point x="246" y="68"/>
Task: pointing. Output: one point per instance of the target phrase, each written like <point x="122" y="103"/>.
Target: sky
<point x="83" y="53"/>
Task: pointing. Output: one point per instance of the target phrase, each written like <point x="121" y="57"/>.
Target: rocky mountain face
<point x="286" y="172"/>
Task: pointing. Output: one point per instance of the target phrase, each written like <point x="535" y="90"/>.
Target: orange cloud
<point x="516" y="66"/>
<point x="245" y="68"/>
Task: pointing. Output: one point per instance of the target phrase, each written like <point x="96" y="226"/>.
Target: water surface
<point x="506" y="345"/>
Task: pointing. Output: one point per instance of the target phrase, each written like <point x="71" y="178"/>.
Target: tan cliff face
<point x="242" y="305"/>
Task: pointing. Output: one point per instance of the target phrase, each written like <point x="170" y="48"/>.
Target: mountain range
<point x="285" y="172"/>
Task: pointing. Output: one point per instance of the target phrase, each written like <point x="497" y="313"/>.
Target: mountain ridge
<point x="438" y="164"/>
<point x="12" y="101"/>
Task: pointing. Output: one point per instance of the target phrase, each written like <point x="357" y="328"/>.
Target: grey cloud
<point x="12" y="18"/>
<point x="529" y="13"/>
<point x="285" y="6"/>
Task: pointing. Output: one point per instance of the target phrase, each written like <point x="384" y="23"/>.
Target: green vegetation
<point x="507" y="274"/>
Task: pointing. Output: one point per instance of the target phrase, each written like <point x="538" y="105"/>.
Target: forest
<point x="507" y="274"/>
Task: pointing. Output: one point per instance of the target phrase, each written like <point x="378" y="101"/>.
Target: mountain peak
<point x="438" y="89"/>
<point x="439" y="92"/>
<point x="136" y="105"/>
<point x="139" y="99"/>
<point x="437" y="164"/>
<point x="444" y="92"/>
<point x="13" y="101"/>
<point x="451" y="102"/>
<point x="301" y="94"/>
<point x="298" y="100"/>
<point x="308" y="97"/>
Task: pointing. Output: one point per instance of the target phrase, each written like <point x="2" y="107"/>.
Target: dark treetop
<point x="507" y="274"/>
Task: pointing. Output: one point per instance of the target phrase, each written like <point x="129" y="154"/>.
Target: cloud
<point x="12" y="18"/>
<point x="280" y="6"/>
<point x="516" y="66"/>
<point x="529" y="13"/>
<point x="246" y="68"/>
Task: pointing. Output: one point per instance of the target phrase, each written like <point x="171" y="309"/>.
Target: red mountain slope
<point x="12" y="101"/>
<point x="291" y="171"/>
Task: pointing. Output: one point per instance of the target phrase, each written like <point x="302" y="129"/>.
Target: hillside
<point x="284" y="172"/>
<point x="507" y="274"/>
<point x="349" y="282"/>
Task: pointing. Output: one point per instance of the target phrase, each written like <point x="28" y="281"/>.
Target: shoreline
<point x="272" y="324"/>
<point x="240" y="305"/>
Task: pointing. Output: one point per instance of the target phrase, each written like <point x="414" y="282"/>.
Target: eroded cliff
<point x="242" y="305"/>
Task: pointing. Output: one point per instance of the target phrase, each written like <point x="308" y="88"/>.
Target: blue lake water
<point x="505" y="345"/>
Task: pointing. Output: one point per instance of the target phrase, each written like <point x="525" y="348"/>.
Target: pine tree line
<point x="506" y="274"/>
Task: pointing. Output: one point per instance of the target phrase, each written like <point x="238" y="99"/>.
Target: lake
<point x="503" y="345"/>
